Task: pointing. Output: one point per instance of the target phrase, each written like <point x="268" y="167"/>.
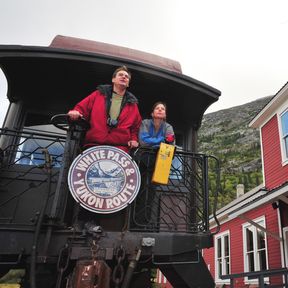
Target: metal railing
<point x="24" y="165"/>
<point x="260" y="275"/>
<point x="180" y="206"/>
<point x="28" y="146"/>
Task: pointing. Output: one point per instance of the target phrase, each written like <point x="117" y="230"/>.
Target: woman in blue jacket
<point x="152" y="133"/>
<point x="156" y="130"/>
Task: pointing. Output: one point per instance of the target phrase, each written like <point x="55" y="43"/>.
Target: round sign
<point x="104" y="179"/>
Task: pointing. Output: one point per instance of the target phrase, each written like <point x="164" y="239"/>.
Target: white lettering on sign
<point x="104" y="179"/>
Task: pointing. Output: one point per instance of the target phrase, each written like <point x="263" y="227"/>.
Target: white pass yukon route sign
<point x="104" y="179"/>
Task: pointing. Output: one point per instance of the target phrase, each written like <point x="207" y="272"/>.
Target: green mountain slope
<point x="226" y="135"/>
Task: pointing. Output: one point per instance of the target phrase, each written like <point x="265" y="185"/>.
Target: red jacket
<point x="95" y="109"/>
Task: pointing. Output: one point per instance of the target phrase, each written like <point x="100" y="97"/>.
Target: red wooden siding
<point x="236" y="243"/>
<point x="275" y="174"/>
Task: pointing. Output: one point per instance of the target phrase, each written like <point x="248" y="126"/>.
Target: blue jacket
<point x="149" y="137"/>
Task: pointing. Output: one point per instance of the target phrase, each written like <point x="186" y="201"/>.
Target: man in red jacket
<point x="112" y="112"/>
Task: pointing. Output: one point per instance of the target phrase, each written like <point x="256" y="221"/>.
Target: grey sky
<point x="237" y="46"/>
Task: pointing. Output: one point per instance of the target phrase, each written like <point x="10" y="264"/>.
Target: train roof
<point x="58" y="76"/>
<point x="72" y="43"/>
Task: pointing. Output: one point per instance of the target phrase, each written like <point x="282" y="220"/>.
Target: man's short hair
<point x="122" y="68"/>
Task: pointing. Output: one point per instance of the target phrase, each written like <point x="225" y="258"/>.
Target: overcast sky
<point x="237" y="46"/>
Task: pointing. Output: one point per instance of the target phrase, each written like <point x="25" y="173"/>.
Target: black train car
<point x="165" y="227"/>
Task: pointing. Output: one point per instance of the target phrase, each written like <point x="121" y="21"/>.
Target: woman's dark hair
<point x="157" y="103"/>
<point x="122" y="68"/>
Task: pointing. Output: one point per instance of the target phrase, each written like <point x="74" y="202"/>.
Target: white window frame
<point x="255" y="252"/>
<point x="223" y="259"/>
<point x="159" y="277"/>
<point x="284" y="148"/>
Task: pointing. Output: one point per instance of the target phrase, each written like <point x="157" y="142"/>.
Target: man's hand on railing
<point x="133" y="144"/>
<point x="74" y="115"/>
<point x="63" y="121"/>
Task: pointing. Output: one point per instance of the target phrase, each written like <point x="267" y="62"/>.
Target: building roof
<point x="249" y="201"/>
<point x="260" y="199"/>
<point x="269" y="109"/>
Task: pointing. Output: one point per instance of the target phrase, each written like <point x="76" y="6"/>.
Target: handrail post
<point x="232" y="282"/>
<point x="286" y="280"/>
<point x="205" y="191"/>
<point x="261" y="281"/>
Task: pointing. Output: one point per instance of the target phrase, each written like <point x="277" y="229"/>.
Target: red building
<point x="161" y="280"/>
<point x="253" y="234"/>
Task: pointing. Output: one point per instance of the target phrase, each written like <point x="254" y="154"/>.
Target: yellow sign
<point x="163" y="163"/>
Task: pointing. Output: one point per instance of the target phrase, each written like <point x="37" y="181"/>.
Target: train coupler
<point x="90" y="274"/>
